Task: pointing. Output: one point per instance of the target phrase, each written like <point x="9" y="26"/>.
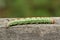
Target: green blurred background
<point x="29" y="8"/>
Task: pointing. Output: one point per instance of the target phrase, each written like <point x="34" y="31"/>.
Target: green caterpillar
<point x="33" y="20"/>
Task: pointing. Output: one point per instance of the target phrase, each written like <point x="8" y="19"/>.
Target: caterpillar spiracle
<point x="33" y="20"/>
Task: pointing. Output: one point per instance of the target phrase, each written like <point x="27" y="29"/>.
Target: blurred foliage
<point x="29" y="8"/>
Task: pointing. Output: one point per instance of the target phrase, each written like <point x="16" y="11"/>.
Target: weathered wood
<point x="30" y="31"/>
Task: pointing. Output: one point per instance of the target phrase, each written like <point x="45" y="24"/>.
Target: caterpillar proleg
<point x="33" y="20"/>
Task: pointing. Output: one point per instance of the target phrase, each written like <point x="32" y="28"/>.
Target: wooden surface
<point x="30" y="31"/>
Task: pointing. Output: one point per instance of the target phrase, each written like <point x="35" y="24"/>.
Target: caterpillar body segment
<point x="33" y="20"/>
<point x="12" y="23"/>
